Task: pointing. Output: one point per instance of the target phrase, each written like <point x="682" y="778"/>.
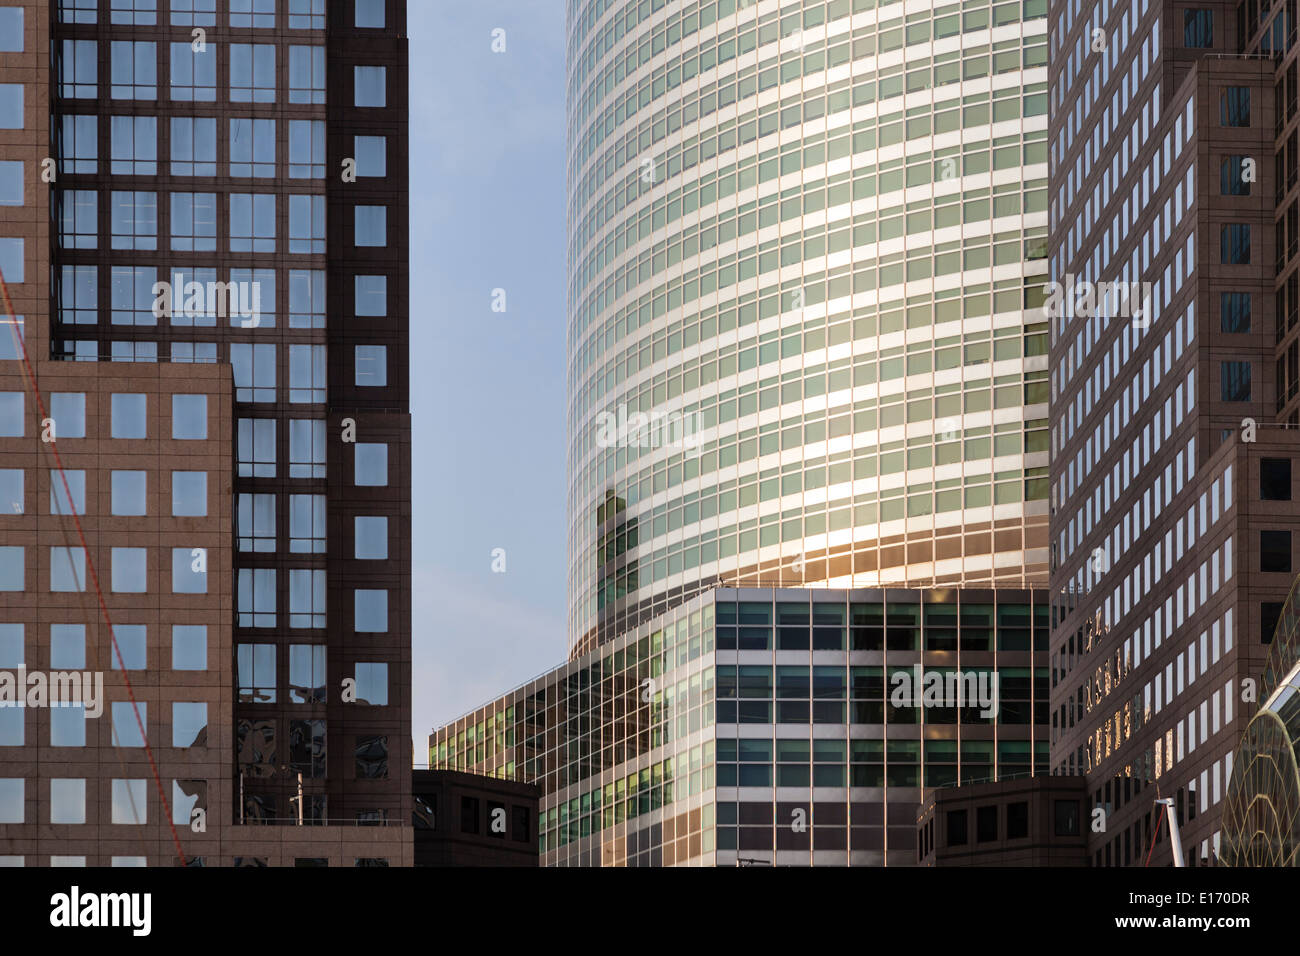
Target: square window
<point x="371" y="154"/>
<point x="133" y="145"/>
<point x="193" y="73"/>
<point x="190" y="417"/>
<point x="131" y="641"/>
<point x="128" y="416"/>
<point x="134" y="69"/>
<point x="372" y="684"/>
<point x="64" y="484"/>
<point x="11" y="491"/>
<point x="189" y="570"/>
<point x="11" y="176"/>
<point x="370" y="612"/>
<point x="11" y="105"/>
<point x="371" y="295"/>
<point x="11" y="414"/>
<point x="1275" y="479"/>
<point x="189" y="647"/>
<point x="194" y="222"/>
<point x="370" y="466"/>
<point x="252" y="14"/>
<point x="371" y="366"/>
<point x="1232" y="181"/>
<point x="130" y="802"/>
<point x="130" y="567"/>
<point x="369" y="14"/>
<point x="189" y="494"/>
<point x="67" y="800"/>
<point x="1275" y="551"/>
<point x="371" y="225"/>
<point x="13" y="576"/>
<point x="370" y="86"/>
<point x="1234" y="311"/>
<point x="129" y="493"/>
<point x="11" y="29"/>
<point x="1234" y="381"/>
<point x="67" y="569"/>
<point x="68" y="726"/>
<point x="370" y="538"/>
<point x="132" y="295"/>
<point x="1198" y="28"/>
<point x="252" y="222"/>
<point x="252" y="72"/>
<point x="68" y="646"/>
<point x="189" y="724"/>
<point x="306" y="14"/>
<point x="11" y="800"/>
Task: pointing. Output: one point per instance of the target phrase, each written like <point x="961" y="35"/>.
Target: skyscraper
<point x="1173" y="400"/>
<point x="808" y="247"/>
<point x="227" y="185"/>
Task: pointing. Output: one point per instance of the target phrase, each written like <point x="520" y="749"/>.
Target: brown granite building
<point x="1173" y="404"/>
<point x="1037" y="821"/>
<point x="207" y="199"/>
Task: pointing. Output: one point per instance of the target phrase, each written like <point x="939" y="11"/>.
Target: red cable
<point x="1154" y="834"/>
<point x="40" y="407"/>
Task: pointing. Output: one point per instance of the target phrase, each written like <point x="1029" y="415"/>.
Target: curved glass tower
<point x="806" y="255"/>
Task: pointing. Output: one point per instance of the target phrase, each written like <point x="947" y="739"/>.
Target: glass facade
<point x="770" y="726"/>
<point x="806" y="254"/>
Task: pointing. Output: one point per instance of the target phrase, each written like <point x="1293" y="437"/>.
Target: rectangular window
<point x="255" y="519"/>
<point x="252" y="73"/>
<point x="252" y="14"/>
<point x="369" y="14"/>
<point x="371" y="154"/>
<point x="371" y="224"/>
<point x="257" y="458"/>
<point x="194" y="13"/>
<point x="78" y="70"/>
<point x="372" y="683"/>
<point x="1234" y="106"/>
<point x="306" y="524"/>
<point x="11" y="414"/>
<point x="256" y="597"/>
<point x="371" y="366"/>
<point x="189" y="494"/>
<point x="306" y="448"/>
<point x="78" y="146"/>
<point x="128" y="416"/>
<point x="12" y="259"/>
<point x="134" y="145"/>
<point x="134" y="12"/>
<point x="1231" y="180"/>
<point x="67" y="800"/>
<point x="65" y="483"/>
<point x="1234" y="243"/>
<point x="370" y="538"/>
<point x="370" y="466"/>
<point x="68" y="726"/>
<point x="12" y="181"/>
<point x="68" y="410"/>
<point x="1275" y="551"/>
<point x="68" y="646"/>
<point x="67" y="569"/>
<point x="306" y="223"/>
<point x="370" y="611"/>
<point x="1275" y="479"/>
<point x="78" y="217"/>
<point x="77" y="11"/>
<point x="193" y="73"/>
<point x="11" y="491"/>
<point x="194" y="222"/>
<point x="306" y="373"/>
<point x="78" y="292"/>
<point x="306" y="14"/>
<point x="372" y="758"/>
<point x="189" y="570"/>
<point x="252" y="147"/>
<point x="189" y="724"/>
<point x="189" y="647"/>
<point x="306" y="598"/>
<point x="194" y="146"/>
<point x="126" y="728"/>
<point x="134" y="220"/>
<point x="307" y="747"/>
<point x="131" y="295"/>
<point x="1234" y="311"/>
<point x="130" y="802"/>
<point x="1235" y="381"/>
<point x="371" y="295"/>
<point x="255" y="306"/>
<point x="255" y="666"/>
<point x="190" y="303"/>
<point x="306" y="149"/>
<point x="190" y="417"/>
<point x="129" y="493"/>
<point x="307" y="74"/>
<point x="306" y="674"/>
<point x="190" y="352"/>
<point x="131" y="644"/>
<point x="13" y="568"/>
<point x="254" y="371"/>
<point x="134" y="66"/>
<point x="130" y="570"/>
<point x="370" y="86"/>
<point x="306" y="298"/>
<point x="252" y="222"/>
<point x="1198" y="28"/>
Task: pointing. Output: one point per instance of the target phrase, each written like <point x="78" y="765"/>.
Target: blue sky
<point x="487" y="388"/>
